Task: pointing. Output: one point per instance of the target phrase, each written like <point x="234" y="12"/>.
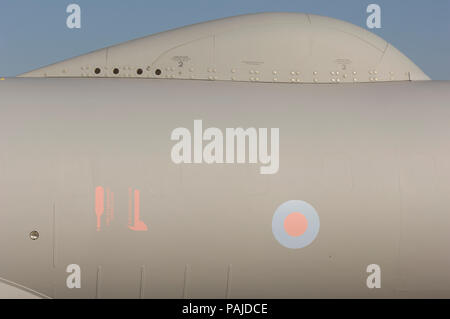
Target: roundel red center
<point x="295" y="224"/>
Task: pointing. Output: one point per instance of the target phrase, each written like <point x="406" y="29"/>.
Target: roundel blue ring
<point x="286" y="209"/>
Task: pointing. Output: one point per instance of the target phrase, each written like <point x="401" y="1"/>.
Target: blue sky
<point x="33" y="33"/>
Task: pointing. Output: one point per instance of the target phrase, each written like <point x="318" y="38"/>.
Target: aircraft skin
<point x="371" y="158"/>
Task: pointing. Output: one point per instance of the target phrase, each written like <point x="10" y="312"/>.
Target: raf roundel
<point x="295" y="224"/>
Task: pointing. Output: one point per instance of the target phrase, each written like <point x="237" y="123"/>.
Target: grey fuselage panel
<point x="373" y="159"/>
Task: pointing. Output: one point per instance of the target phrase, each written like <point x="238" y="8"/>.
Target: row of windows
<point x="116" y="71"/>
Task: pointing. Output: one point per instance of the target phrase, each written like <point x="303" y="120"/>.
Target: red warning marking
<point x="112" y="206"/>
<point x="108" y="207"/>
<point x="134" y="222"/>
<point x="138" y="225"/>
<point x="99" y="204"/>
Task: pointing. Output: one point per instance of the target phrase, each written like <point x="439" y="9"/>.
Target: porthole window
<point x="158" y="72"/>
<point x="116" y="71"/>
<point x="97" y="70"/>
<point x="139" y="71"/>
